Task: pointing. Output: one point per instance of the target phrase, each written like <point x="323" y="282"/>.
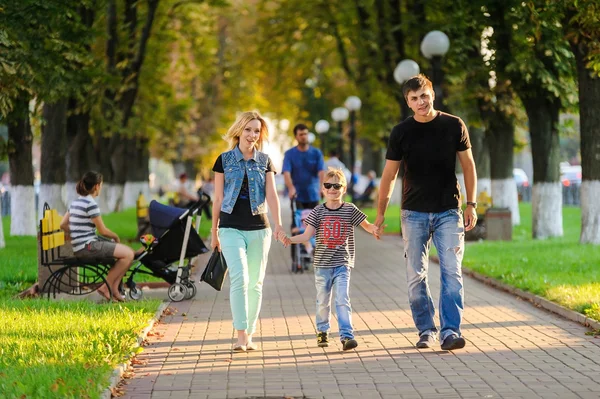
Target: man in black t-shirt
<point x="428" y="144"/>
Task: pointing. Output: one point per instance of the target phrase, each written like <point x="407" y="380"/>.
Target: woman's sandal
<point x="251" y="346"/>
<point x="239" y="348"/>
<point x="104" y="294"/>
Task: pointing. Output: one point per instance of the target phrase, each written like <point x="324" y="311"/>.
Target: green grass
<point x="392" y="218"/>
<point x="18" y="261"/>
<point x="65" y="349"/>
<point x="558" y="269"/>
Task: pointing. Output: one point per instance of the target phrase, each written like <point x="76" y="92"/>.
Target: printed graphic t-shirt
<point x="335" y="234"/>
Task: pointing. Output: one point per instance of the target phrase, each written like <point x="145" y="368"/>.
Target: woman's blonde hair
<point x="235" y="131"/>
<point x="337" y="173"/>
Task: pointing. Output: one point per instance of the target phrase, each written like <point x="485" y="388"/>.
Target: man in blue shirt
<point x="303" y="170"/>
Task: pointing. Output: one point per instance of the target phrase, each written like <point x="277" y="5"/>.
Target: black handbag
<point x="215" y="271"/>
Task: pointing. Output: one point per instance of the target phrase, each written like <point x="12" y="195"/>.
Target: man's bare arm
<point x="386" y="188"/>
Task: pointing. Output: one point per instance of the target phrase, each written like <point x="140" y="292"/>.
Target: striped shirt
<point x="335" y="234"/>
<point x="83" y="230"/>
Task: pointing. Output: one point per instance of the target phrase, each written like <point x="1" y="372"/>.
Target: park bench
<point x="66" y="273"/>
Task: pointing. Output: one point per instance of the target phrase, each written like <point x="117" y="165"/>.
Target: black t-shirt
<point x="241" y="217"/>
<point x="428" y="151"/>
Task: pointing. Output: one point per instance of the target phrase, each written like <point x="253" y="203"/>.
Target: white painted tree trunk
<point x="590" y="212"/>
<point x="546" y="201"/>
<point x="70" y="193"/>
<point x="22" y="211"/>
<point x="504" y="195"/>
<point x="2" y="242"/>
<point x="111" y="198"/>
<point x="461" y="182"/>
<point x="53" y="195"/>
<point x="484" y="184"/>
<point x="396" y="198"/>
<point x="132" y="191"/>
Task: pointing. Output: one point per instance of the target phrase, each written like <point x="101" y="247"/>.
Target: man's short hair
<point x="298" y="127"/>
<point x="416" y="83"/>
<point x="183" y="176"/>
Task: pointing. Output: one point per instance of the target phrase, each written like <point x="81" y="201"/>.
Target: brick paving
<point x="514" y="350"/>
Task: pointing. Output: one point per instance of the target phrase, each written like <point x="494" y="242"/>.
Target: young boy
<point x="334" y="222"/>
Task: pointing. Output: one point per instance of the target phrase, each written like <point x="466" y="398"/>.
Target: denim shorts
<point x="97" y="249"/>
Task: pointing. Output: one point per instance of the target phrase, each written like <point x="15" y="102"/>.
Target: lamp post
<point x="405" y="70"/>
<point x="434" y="46"/>
<point x="339" y="115"/>
<point x="322" y="127"/>
<point x="353" y="104"/>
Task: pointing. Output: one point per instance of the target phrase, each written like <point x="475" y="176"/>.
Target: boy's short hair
<point x="416" y="83"/>
<point x="337" y="173"/>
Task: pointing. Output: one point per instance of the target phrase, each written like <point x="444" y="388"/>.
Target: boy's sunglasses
<point x="335" y="186"/>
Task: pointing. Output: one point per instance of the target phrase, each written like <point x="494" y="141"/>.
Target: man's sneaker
<point x="322" y="339"/>
<point x="349" y="343"/>
<point x="426" y="341"/>
<point x="453" y="342"/>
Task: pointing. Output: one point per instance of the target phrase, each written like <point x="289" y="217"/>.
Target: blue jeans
<point x="447" y="231"/>
<point x="246" y="254"/>
<point x="328" y="279"/>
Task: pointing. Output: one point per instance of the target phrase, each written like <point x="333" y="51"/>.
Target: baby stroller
<point x="301" y="253"/>
<point x="170" y="250"/>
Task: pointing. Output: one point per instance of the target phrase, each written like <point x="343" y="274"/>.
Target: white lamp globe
<point x="435" y="43"/>
<point x="311" y="137"/>
<point x="322" y="126"/>
<point x="353" y="103"/>
<point x="405" y="70"/>
<point x="284" y="124"/>
<point x="340" y="114"/>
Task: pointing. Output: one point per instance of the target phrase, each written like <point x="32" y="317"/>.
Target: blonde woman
<point x="244" y="185"/>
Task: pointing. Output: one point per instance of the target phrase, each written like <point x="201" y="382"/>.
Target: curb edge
<point x="534" y="299"/>
<point x="120" y="369"/>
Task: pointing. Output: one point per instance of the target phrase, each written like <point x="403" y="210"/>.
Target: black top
<point x="241" y="217"/>
<point x="428" y="151"/>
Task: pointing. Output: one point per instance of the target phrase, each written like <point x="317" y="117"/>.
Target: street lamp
<point x="322" y="127"/>
<point x="434" y="46"/>
<point x="353" y="104"/>
<point x="405" y="70"/>
<point x="339" y="115"/>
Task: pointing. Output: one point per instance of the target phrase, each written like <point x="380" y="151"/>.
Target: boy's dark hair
<point x="416" y="83"/>
<point x="298" y="127"/>
<point x="333" y="153"/>
<point x="88" y="182"/>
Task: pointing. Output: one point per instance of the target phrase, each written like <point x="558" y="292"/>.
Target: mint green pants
<point x="246" y="254"/>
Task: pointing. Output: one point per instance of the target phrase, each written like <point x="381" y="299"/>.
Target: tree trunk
<point x="54" y="149"/>
<point x="481" y="153"/>
<point x="80" y="156"/>
<point x="138" y="170"/>
<point x="22" y="195"/>
<point x="501" y="138"/>
<point x="547" y="191"/>
<point x="589" y="97"/>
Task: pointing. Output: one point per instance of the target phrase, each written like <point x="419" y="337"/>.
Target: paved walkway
<point x="514" y="350"/>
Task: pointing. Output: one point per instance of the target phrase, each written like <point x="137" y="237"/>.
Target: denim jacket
<point x="234" y="167"/>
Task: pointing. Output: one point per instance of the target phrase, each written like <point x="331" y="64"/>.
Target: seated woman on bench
<point x="82" y="220"/>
